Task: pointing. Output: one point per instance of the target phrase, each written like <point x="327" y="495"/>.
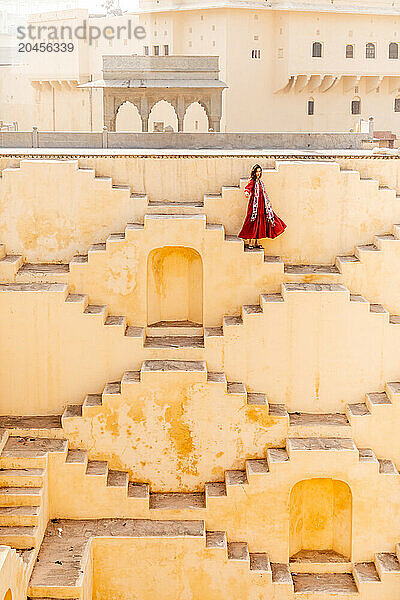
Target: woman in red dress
<point x="260" y="221"/>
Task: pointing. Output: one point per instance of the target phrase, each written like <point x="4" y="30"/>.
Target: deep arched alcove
<point x="174" y="285"/>
<point x="320" y="517"/>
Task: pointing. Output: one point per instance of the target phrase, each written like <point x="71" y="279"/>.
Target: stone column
<point x="109" y="115"/>
<point x="214" y="123"/>
<point x="180" y="112"/>
<point x="144" y="113"/>
<point x="215" y="115"/>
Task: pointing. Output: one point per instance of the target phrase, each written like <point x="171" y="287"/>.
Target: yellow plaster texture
<point x="173" y="440"/>
<point x="51" y="210"/>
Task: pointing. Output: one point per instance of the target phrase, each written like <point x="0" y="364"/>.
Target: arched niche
<point x="128" y="118"/>
<point x="174" y="285"/>
<point x="196" y="118"/>
<point x="320" y="518"/>
<point x="163" y="112"/>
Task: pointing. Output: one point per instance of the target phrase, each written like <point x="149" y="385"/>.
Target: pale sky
<point x="96" y="4"/>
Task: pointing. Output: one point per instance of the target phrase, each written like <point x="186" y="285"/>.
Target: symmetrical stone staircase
<point x="41" y="455"/>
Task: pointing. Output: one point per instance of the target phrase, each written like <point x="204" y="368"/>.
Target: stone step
<point x="326" y="585"/>
<point x="77" y="456"/>
<point x="22" y="537"/>
<point x="259" y="562"/>
<point x="174" y="329"/>
<point x="215" y="490"/>
<point x="311" y="424"/>
<point x="238" y="551"/>
<point x="151" y="367"/>
<point x="22" y="477"/>
<point x="91" y="404"/>
<point x="256" y="467"/>
<point x="20" y="496"/>
<point x="367" y="455"/>
<point x="281" y="574"/>
<point x="15" y="516"/>
<point x="393" y="392"/>
<point x="359" y="409"/>
<point x="320" y="270"/>
<point x="236" y="477"/>
<point x="216" y="539"/>
<point x="387" y="563"/>
<point x="139" y="491"/>
<point x="51" y="272"/>
<point x="376" y="401"/>
<point x="387" y="467"/>
<point x="24" y="452"/>
<point x="174" y="342"/>
<point x="257" y="399"/>
<point x="217" y="377"/>
<point x="382" y="241"/>
<point x="10" y="265"/>
<point x="97" y="468"/>
<point x="36" y="424"/>
<point x="177" y="501"/>
<point x="365" y="574"/>
<point x="277" y="456"/>
<point x="97" y="310"/>
<point x="72" y="411"/>
<point x="173" y="208"/>
<point x="236" y="388"/>
<point x="319" y="561"/>
<point x="316" y="444"/>
<point x="118" y="479"/>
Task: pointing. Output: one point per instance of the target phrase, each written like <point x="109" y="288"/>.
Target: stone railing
<point x="189" y="141"/>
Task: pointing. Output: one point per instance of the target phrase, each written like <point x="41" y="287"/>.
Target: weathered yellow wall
<point x="50" y="210"/>
<point x="190" y="570"/>
<point x="176" y="430"/>
<point x="313" y="349"/>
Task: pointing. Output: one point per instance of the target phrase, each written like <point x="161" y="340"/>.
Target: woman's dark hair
<point x="253" y="172"/>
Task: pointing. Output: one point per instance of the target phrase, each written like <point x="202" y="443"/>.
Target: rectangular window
<point x="310" y="107"/>
<point x="397" y="105"/>
<point x="166" y="50"/>
<point x="356" y="107"/>
<point x="256" y="54"/>
<point x="156" y="50"/>
<point x="146" y="50"/>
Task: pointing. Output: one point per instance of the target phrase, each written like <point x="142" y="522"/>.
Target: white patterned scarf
<point x="268" y="208"/>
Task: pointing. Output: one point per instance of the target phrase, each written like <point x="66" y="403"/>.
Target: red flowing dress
<point x="261" y="221"/>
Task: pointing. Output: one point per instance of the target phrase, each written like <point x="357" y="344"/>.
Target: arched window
<point x="317" y="50"/>
<point x="310" y="106"/>
<point x="356" y="106"/>
<point x="397" y="105"/>
<point x="349" y="51"/>
<point x="393" y="50"/>
<point x="370" y="51"/>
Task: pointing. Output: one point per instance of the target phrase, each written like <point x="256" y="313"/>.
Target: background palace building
<point x="315" y="65"/>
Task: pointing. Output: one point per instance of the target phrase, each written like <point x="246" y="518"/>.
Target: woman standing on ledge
<point x="260" y="221"/>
